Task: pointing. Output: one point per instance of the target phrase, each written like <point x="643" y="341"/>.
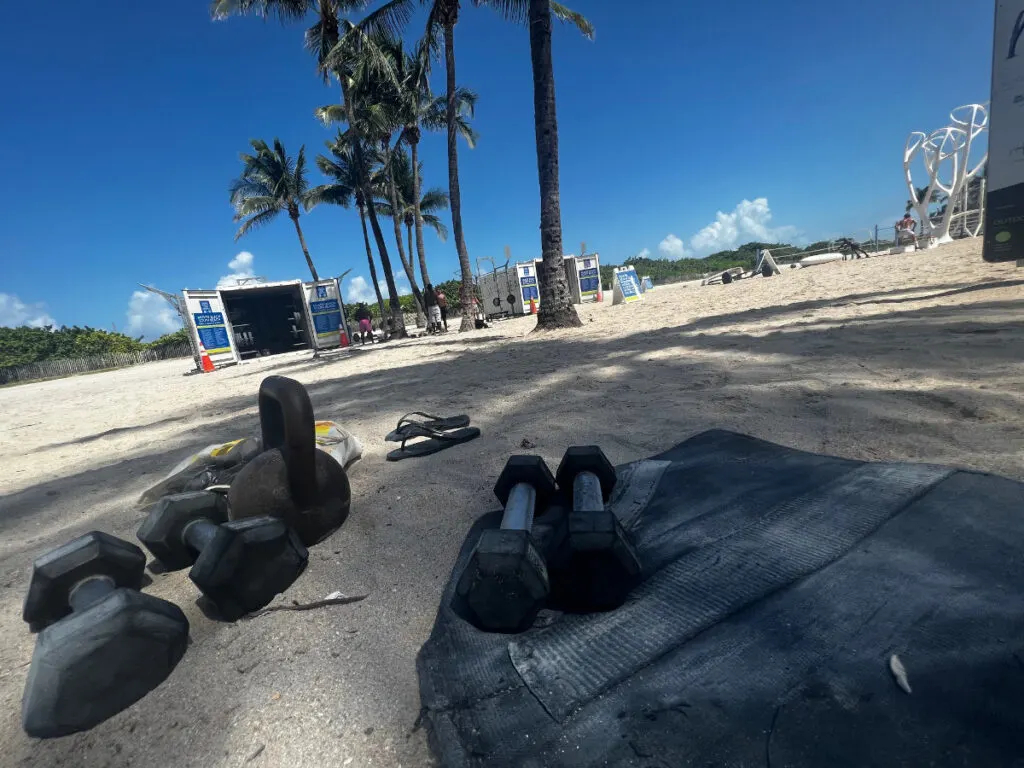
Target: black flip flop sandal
<point x="439" y="423"/>
<point x="436" y="441"/>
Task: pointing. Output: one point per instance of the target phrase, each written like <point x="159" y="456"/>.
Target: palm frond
<point x="251" y="206"/>
<point x="331" y="114"/>
<point x="435" y="224"/>
<point x="359" y="53"/>
<point x="569" y="16"/>
<point x="321" y="38"/>
<point x="435" y="112"/>
<point x="433" y="34"/>
<point x="301" y="183"/>
<point x="391" y="18"/>
<point x="516" y="11"/>
<point x="255" y="222"/>
<point x="328" y="194"/>
<point x="435" y="199"/>
<point x="284" y="10"/>
<point x="243" y="188"/>
<point x="466" y="131"/>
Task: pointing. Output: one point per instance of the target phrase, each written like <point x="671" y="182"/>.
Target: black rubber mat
<point x="777" y="586"/>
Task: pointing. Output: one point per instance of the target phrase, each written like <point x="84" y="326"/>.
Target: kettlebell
<point x="291" y="479"/>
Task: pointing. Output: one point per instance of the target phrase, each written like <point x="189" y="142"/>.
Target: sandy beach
<point x="917" y="357"/>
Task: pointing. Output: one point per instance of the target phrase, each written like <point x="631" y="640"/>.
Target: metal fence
<point x="51" y="369"/>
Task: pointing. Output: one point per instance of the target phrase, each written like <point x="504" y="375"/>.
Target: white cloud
<point x="644" y="253"/>
<point x="360" y="289"/>
<point x="241" y="267"/>
<point x="672" y="247"/>
<point x="401" y="285"/>
<point x="150" y="316"/>
<point x="750" y="220"/>
<point x="15" y="313"/>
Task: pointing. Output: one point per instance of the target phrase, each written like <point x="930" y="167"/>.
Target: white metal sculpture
<point x="946" y="153"/>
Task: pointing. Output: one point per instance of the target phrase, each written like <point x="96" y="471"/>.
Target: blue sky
<point x="121" y="130"/>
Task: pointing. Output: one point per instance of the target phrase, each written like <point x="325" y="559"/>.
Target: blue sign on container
<point x="330" y="305"/>
<point x="328" y="322"/>
<point x="321" y="291"/>
<point x="204" y="306"/>
<point x="208" y="318"/>
<point x="214" y="338"/>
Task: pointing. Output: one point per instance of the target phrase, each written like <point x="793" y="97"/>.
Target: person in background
<point x="442" y="304"/>
<point x="365" y="325"/>
<point x="905" y="228"/>
<point x="433" y="311"/>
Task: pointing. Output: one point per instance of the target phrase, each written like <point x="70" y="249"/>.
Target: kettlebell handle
<point x="286" y="422"/>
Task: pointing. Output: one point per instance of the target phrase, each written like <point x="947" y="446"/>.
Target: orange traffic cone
<point x="533" y="306"/>
<point x="600" y="295"/>
<point x="205" y="360"/>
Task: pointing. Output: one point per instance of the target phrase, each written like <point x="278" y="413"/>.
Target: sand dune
<point x="917" y="357"/>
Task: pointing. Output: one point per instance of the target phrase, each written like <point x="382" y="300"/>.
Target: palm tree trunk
<point x="556" y="309"/>
<point x="378" y="235"/>
<point x="466" y="294"/>
<point x="305" y="250"/>
<point x="369" y="259"/>
<point x="408" y="239"/>
<point x="389" y="276"/>
<point x="420" y="250"/>
<point x="406" y="263"/>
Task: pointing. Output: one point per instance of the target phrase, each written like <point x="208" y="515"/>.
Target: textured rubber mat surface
<point x="777" y="584"/>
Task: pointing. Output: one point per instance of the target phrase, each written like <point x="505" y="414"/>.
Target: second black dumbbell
<point x="599" y="565"/>
<point x="240" y="565"/>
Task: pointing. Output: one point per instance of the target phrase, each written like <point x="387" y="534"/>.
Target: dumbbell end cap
<point x="248" y="563"/>
<point x="92" y="554"/>
<point x="98" y="662"/>
<point x="162" y="530"/>
<point x="529" y="469"/>
<point x="586" y="458"/>
<point x="505" y="582"/>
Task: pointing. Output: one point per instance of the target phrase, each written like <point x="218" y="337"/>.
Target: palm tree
<point x="425" y="208"/>
<point x="443" y="16"/>
<point x="416" y="107"/>
<point x="345" y="186"/>
<point x="271" y="182"/>
<point x="432" y="200"/>
<point x="344" y="51"/>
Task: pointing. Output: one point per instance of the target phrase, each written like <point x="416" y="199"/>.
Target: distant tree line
<point x="21" y="346"/>
<point x="452" y="290"/>
<point x="663" y="271"/>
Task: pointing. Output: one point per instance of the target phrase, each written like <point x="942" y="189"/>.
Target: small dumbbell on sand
<point x="103" y="644"/>
<point x="240" y="566"/>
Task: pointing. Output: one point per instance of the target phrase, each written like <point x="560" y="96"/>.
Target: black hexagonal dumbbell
<point x="240" y="566"/>
<point x="505" y="582"/>
<point x="600" y="565"/>
<point x="103" y="644"/>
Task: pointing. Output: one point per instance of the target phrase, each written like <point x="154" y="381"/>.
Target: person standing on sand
<point x="905" y="228"/>
<point x="433" y="311"/>
<point x="442" y="304"/>
<point x="363" y="318"/>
